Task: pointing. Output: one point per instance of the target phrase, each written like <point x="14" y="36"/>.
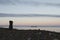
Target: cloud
<point x="27" y="15"/>
<point x="30" y="2"/>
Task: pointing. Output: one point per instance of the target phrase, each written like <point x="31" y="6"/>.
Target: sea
<point x="4" y="23"/>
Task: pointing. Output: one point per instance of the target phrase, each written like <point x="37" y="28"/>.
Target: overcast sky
<point x="30" y="6"/>
<point x="47" y="9"/>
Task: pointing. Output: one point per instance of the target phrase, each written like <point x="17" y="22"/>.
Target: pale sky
<point x="31" y="7"/>
<point x="47" y="21"/>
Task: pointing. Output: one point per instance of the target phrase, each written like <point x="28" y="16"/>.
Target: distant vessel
<point x="33" y="26"/>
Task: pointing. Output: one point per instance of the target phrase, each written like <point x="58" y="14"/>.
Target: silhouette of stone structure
<point x="10" y="25"/>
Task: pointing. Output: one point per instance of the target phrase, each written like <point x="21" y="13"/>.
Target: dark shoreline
<point x="14" y="34"/>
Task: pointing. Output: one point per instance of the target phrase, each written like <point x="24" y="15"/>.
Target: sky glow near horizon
<point x="47" y="21"/>
<point x="30" y="7"/>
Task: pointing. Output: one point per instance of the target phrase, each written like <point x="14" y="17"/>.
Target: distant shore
<point x="56" y="29"/>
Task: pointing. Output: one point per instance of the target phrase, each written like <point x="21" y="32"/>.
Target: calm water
<point x="32" y="21"/>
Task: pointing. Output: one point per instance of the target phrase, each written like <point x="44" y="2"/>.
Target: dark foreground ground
<point x="6" y="34"/>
